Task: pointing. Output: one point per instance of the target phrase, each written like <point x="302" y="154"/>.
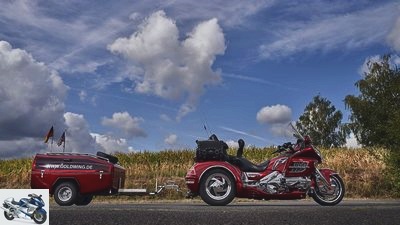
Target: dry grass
<point x="362" y="169"/>
<point x="15" y="173"/>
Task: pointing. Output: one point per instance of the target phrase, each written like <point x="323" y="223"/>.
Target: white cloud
<point x="281" y="130"/>
<point x="242" y="133"/>
<point x="396" y="60"/>
<point x="90" y="26"/>
<point x="82" y="95"/>
<point x="394" y="36"/>
<point x="112" y="144"/>
<point x="276" y="114"/>
<point x="171" y="139"/>
<point x="351" y="142"/>
<point x="231" y="14"/>
<point x="365" y="67"/>
<point x="73" y="41"/>
<point x="23" y="147"/>
<point x="337" y="31"/>
<point x="34" y="104"/>
<point x="134" y="16"/>
<point x="78" y="138"/>
<point x="130" y="126"/>
<point x="173" y="69"/>
<point x="165" y="118"/>
<point x="232" y="144"/>
<point x="31" y="95"/>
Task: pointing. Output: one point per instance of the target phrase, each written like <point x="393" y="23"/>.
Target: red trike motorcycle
<point x="218" y="177"/>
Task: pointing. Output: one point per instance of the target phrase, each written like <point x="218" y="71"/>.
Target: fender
<point x="201" y="168"/>
<point x="42" y="211"/>
<point x="327" y="173"/>
<point x="60" y="180"/>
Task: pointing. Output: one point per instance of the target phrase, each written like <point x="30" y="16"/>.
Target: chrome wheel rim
<point x="218" y="186"/>
<point x="65" y="194"/>
<point x="38" y="216"/>
<point x="332" y="194"/>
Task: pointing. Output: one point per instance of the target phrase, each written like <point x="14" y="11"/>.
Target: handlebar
<point x="285" y="147"/>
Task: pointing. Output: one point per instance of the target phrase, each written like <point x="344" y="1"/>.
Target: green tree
<point x="322" y="122"/>
<point x="376" y="111"/>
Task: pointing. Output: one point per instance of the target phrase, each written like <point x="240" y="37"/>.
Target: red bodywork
<point x="301" y="163"/>
<point x="91" y="174"/>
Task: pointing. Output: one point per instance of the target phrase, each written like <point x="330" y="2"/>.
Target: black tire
<point x="323" y="197"/>
<point x="8" y="216"/>
<point x="83" y="200"/>
<point x="66" y="193"/>
<point x="217" y="187"/>
<point x="39" y="218"/>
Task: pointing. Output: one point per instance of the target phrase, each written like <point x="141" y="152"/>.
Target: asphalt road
<point x="257" y="212"/>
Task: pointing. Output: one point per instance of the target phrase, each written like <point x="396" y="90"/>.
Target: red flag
<point x="49" y="135"/>
<point x="62" y="139"/>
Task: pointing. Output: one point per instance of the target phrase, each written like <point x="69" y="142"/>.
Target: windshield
<point x="304" y="139"/>
<point x="295" y="132"/>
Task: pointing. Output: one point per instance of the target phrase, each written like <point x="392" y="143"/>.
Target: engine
<point x="276" y="183"/>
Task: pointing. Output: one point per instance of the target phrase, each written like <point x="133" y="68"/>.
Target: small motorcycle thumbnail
<point x="25" y="208"/>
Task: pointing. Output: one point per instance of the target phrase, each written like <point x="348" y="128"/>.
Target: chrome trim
<point x="189" y="181"/>
<point x="215" y="186"/>
<point x="252" y="174"/>
<point x="322" y="177"/>
<point x="298" y="167"/>
<point x="318" y="152"/>
<point x="279" y="161"/>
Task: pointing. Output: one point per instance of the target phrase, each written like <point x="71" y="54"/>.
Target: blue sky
<point x="148" y="75"/>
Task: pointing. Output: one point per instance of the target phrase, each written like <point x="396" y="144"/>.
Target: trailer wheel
<point x="65" y="193"/>
<point x="83" y="200"/>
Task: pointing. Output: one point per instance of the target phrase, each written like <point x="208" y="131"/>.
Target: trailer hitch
<point x="169" y="185"/>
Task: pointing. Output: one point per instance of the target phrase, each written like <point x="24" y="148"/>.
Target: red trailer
<point x="74" y="178"/>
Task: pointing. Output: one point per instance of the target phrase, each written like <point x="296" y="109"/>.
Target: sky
<point x="128" y="76"/>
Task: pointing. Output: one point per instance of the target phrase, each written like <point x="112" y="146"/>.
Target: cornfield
<point x="362" y="169"/>
<point x="15" y="173"/>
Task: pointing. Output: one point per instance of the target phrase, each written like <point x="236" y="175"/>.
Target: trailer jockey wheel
<point x="65" y="194"/>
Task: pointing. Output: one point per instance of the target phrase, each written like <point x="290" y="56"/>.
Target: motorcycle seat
<point x="247" y="166"/>
<point x="14" y="202"/>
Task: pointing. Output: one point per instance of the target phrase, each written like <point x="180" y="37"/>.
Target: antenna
<point x="207" y="132"/>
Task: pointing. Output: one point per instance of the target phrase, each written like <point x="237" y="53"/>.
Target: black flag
<point x="62" y="139"/>
<point x="49" y="135"/>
